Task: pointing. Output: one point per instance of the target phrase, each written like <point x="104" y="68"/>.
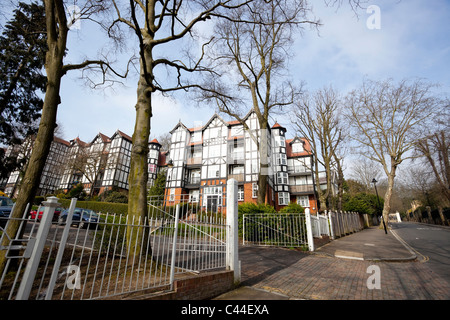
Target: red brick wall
<point x="196" y="288"/>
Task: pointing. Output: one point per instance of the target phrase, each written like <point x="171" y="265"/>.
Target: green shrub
<point x="104" y="207"/>
<point x="293" y="208"/>
<point x="113" y="196"/>
<point x="250" y="207"/>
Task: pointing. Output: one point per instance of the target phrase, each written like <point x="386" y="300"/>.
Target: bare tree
<point x="161" y="29"/>
<point x="385" y="118"/>
<point x="90" y="161"/>
<point x="316" y="117"/>
<point x="254" y="62"/>
<point x="435" y="149"/>
<point x="57" y="29"/>
<point x="364" y="171"/>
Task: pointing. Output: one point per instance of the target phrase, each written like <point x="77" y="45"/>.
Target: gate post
<point x="232" y="257"/>
<point x="41" y="237"/>
<point x="61" y="249"/>
<point x="330" y="219"/>
<point x="174" y="245"/>
<point x="309" y="233"/>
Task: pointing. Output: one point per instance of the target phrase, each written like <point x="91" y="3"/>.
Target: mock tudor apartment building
<point x="199" y="163"/>
<point x="203" y="159"/>
<point x="102" y="164"/>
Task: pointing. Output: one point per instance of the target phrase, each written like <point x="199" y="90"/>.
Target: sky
<point x="411" y="39"/>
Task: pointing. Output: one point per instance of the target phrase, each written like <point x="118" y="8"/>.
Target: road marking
<point x="348" y="255"/>
<point x="369" y="244"/>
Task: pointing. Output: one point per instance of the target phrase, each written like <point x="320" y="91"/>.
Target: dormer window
<point x="297" y="147"/>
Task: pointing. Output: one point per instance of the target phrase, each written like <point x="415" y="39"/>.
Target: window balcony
<point x="192" y="182"/>
<point x="239" y="177"/>
<point x="298" y="171"/>
<point x="194" y="161"/>
<point x="301" y="189"/>
<point x="236" y="157"/>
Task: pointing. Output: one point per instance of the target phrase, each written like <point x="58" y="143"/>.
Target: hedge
<point x="103" y="207"/>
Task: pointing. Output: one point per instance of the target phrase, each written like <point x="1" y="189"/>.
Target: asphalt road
<point x="432" y="243"/>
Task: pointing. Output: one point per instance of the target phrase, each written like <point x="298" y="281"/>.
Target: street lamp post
<point x="374" y="181"/>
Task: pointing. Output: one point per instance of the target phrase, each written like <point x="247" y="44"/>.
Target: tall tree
<point x="161" y="29"/>
<point x="258" y="54"/>
<point x="434" y="148"/>
<point x="386" y="118"/>
<point x="22" y="53"/>
<point x="57" y="30"/>
<point x="316" y="117"/>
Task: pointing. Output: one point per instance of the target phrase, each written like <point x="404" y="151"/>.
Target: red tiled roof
<point x="105" y="138"/>
<point x="277" y="125"/>
<point x="162" y="159"/>
<point x="125" y="135"/>
<point x="67" y="143"/>
<point x="306" y="146"/>
<point x="80" y="142"/>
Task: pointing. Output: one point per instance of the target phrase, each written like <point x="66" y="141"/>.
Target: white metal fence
<point x="284" y="230"/>
<point x="114" y="254"/>
<point x="297" y="229"/>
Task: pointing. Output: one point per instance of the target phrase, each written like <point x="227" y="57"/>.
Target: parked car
<point x="6" y="205"/>
<point x="82" y="218"/>
<point x="39" y="216"/>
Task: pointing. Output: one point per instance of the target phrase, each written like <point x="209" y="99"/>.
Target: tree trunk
<point x="138" y="176"/>
<point x="388" y="195"/>
<point x="263" y="165"/>
<point x="41" y="147"/>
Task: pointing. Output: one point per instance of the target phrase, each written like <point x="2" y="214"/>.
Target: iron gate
<point x="109" y="255"/>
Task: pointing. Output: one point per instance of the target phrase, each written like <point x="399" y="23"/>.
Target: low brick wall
<point x="199" y="287"/>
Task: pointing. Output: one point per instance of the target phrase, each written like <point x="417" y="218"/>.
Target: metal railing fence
<point x="113" y="254"/>
<point x="283" y="230"/>
<point x="319" y="225"/>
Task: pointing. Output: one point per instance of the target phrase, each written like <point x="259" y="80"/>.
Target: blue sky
<point x="413" y="41"/>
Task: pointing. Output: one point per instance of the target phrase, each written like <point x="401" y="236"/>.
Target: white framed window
<point x="214" y="171"/>
<point x="240" y="193"/>
<point x="196" y="136"/>
<point x="282" y="178"/>
<point x="172" y="195"/>
<point x="297" y="147"/>
<point x="152" y="168"/>
<point x="194" y="196"/>
<point x="254" y="190"/>
<point x="281" y="159"/>
<point x="283" y="198"/>
<point x="303" y="201"/>
<point x="214" y="151"/>
<point x="280" y="141"/>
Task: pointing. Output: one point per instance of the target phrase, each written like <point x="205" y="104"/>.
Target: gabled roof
<point x="79" y="142"/>
<point x="179" y="124"/>
<point x="306" y="147"/>
<point x="124" y="135"/>
<point x="105" y="138"/>
<point x="62" y="141"/>
<point x="214" y="117"/>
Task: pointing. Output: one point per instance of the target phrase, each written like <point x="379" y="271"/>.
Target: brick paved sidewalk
<point x="301" y="275"/>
